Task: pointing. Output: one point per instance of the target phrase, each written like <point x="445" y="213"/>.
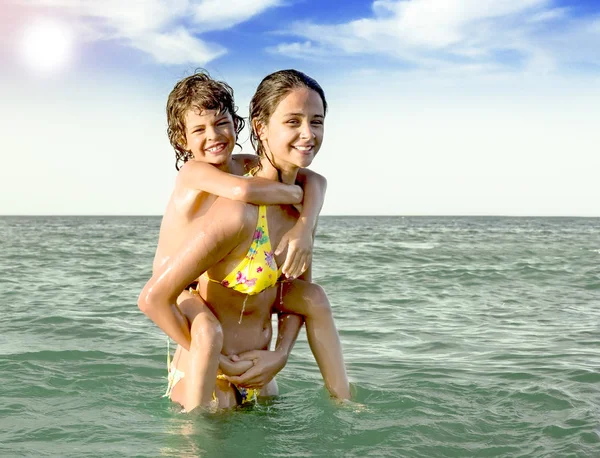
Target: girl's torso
<point x="246" y="319"/>
<point x="254" y="330"/>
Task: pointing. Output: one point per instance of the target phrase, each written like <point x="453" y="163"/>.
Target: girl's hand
<point x="299" y="243"/>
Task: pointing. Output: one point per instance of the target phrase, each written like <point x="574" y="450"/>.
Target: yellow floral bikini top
<point x="258" y="270"/>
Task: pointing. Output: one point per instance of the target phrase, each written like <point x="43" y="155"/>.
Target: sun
<point x="46" y="45"/>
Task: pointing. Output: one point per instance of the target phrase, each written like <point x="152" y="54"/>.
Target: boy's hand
<point x="299" y="243"/>
<point x="265" y="365"/>
<point x="232" y="367"/>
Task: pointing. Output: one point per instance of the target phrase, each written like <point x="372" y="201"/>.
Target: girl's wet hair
<point x="197" y="92"/>
<point x="271" y="90"/>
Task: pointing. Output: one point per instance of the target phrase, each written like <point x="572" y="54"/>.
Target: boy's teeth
<point x="214" y="148"/>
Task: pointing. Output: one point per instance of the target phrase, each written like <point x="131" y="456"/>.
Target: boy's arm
<point x="289" y="324"/>
<point x="288" y="327"/>
<point x="299" y="239"/>
<point x="255" y="190"/>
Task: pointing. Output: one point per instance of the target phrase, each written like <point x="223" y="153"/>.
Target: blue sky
<point x="437" y="106"/>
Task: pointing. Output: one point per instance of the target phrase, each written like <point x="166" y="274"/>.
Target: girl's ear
<point x="260" y="129"/>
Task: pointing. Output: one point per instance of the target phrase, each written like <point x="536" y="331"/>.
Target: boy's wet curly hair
<point x="198" y="92"/>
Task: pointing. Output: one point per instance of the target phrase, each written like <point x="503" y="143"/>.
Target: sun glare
<point x="46" y="45"/>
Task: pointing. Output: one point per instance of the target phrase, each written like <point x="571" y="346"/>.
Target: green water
<point x="463" y="337"/>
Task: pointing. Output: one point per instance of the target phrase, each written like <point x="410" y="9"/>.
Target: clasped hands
<point x="252" y="369"/>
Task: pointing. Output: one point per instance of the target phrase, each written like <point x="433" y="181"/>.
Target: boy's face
<point x="209" y="136"/>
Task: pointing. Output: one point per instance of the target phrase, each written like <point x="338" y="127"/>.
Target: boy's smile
<point x="210" y="135"/>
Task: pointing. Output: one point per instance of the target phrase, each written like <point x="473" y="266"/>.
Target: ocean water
<point x="463" y="337"/>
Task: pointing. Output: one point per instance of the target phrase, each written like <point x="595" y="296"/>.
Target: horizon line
<point x="477" y="215"/>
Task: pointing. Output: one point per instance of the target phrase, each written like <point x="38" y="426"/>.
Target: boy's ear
<point x="183" y="143"/>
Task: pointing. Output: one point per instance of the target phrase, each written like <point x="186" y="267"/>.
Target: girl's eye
<point x="293" y="121"/>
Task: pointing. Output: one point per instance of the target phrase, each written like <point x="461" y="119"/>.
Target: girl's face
<point x="209" y="135"/>
<point x="294" y="132"/>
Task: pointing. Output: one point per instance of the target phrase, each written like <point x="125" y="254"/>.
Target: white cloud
<point x="522" y="34"/>
<point x="165" y="29"/>
<point x="549" y="15"/>
<point x="218" y="15"/>
<point x="299" y="50"/>
<point x="176" y="47"/>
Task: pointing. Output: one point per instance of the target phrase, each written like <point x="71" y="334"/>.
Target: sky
<point x="436" y="107"/>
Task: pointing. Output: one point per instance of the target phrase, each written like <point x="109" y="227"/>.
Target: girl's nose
<point x="306" y="131"/>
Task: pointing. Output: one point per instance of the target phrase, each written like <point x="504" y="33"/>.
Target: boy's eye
<point x="223" y="123"/>
<point x="293" y="121"/>
<point x="317" y="122"/>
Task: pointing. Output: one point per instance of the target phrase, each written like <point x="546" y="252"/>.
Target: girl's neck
<point x="270" y="172"/>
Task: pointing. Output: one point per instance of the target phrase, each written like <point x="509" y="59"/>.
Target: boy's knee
<point x="317" y="300"/>
<point x="207" y="332"/>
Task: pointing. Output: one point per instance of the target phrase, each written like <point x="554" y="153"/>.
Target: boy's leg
<point x="198" y="385"/>
<point x="270" y="389"/>
<point x="309" y="300"/>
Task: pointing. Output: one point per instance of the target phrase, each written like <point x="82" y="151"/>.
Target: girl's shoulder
<point x="245" y="162"/>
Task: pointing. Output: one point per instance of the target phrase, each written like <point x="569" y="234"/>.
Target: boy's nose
<point x="211" y="132"/>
